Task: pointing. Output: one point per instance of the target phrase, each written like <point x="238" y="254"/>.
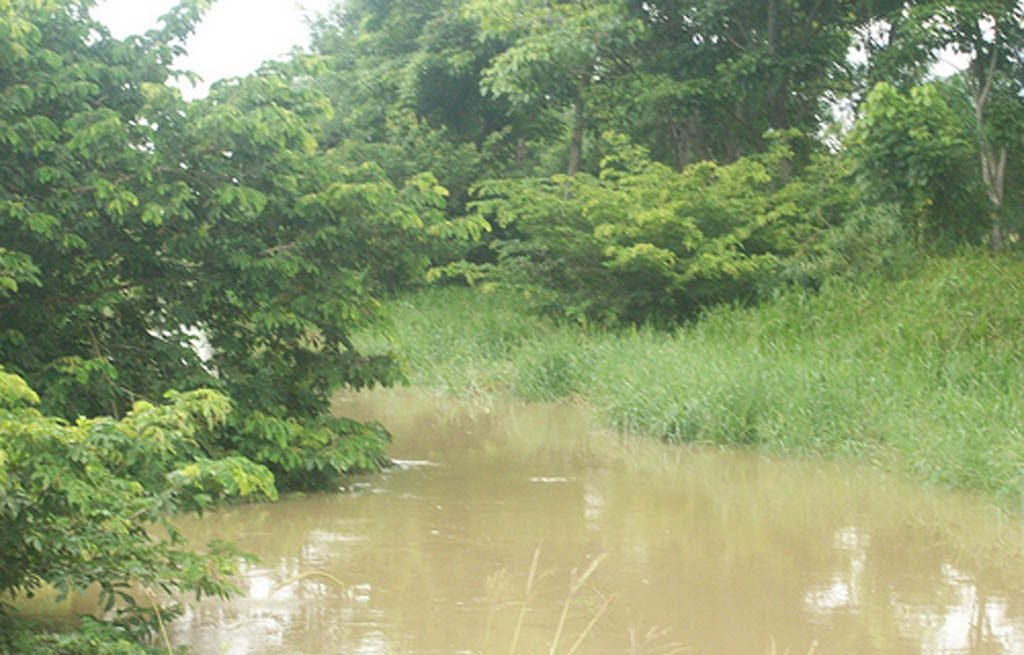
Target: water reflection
<point x="709" y="551"/>
<point x="943" y="612"/>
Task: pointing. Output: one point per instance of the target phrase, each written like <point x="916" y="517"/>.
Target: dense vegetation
<point x="192" y="273"/>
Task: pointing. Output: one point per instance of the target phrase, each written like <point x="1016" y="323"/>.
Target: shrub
<point x="90" y="503"/>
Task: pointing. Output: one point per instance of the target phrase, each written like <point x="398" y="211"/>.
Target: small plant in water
<point x="774" y="649"/>
<point x="647" y="642"/>
<point x="577" y="583"/>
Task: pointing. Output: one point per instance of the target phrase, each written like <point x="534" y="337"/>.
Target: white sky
<point x="235" y="37"/>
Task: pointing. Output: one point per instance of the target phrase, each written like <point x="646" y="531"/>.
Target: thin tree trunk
<point x="993" y="169"/>
<point x="683" y="135"/>
<point x="993" y="163"/>
<point x="576" y="146"/>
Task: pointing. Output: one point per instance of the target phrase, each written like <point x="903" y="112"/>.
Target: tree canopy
<point x="136" y="224"/>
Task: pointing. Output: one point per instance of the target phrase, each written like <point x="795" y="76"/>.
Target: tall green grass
<point x="924" y="375"/>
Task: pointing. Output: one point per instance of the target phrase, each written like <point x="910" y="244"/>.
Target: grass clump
<point x="459" y="341"/>
<point x="920" y="375"/>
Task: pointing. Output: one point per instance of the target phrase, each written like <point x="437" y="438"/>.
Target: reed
<point x="161" y="626"/>
<point x="773" y="649"/>
<point x="577" y="582"/>
<point x="530" y="579"/>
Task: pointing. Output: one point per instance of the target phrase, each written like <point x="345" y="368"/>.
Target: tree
<point x="77" y="172"/>
<point x="712" y="77"/>
<point x="990" y="35"/>
<point x="404" y="78"/>
<point x="132" y="222"/>
<point x="557" y="51"/>
<point x="86" y="504"/>
<point x="906" y="149"/>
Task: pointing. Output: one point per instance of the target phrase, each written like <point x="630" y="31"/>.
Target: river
<point x="510" y="528"/>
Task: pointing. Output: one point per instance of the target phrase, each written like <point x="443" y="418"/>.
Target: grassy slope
<point x="923" y="376"/>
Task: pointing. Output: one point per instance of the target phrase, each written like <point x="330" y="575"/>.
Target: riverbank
<point x="920" y="376"/>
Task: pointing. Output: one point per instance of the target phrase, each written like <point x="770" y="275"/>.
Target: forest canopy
<point x="639" y="162"/>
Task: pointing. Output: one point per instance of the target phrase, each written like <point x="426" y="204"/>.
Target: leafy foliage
<point x="555" y="53"/>
<point x="708" y="79"/>
<point x="700" y="85"/>
<point x="906" y="148"/>
<point x="307" y="454"/>
<point x="641" y="242"/>
<point x="407" y="76"/>
<point x="989" y="36"/>
<point x="873" y="240"/>
<point x="85" y="504"/>
<point x="77" y="169"/>
<point x="296" y="244"/>
<point x="93" y="637"/>
<point x="136" y="226"/>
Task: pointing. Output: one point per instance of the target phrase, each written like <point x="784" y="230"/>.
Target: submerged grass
<point x="922" y="375"/>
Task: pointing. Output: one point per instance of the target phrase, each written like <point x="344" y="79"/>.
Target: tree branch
<point x="67" y="300"/>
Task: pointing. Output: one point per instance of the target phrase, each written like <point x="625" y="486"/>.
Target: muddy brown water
<point x="688" y="551"/>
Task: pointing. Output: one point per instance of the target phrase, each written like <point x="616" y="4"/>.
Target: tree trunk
<point x="993" y="170"/>
<point x="993" y="160"/>
<point x="576" y="146"/>
<point x="683" y="135"/>
<point x="520" y="150"/>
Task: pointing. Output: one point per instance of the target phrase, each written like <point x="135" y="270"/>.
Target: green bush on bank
<point x="90" y="504"/>
<point x="92" y="638"/>
<point x="919" y="375"/>
<point x="643" y="243"/>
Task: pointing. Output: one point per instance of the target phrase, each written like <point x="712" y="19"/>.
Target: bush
<point x="911" y="149"/>
<point x="642" y="243"/>
<point x="86" y="504"/>
<point x="872" y="240"/>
